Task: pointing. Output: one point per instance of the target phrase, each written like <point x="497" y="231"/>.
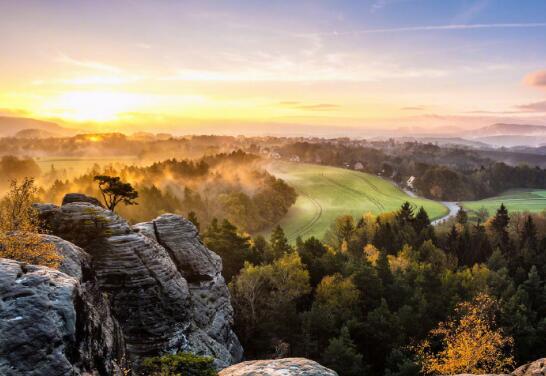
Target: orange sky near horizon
<point x="140" y="65"/>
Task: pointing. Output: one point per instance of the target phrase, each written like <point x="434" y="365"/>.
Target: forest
<point x="227" y="185"/>
<point x="379" y="294"/>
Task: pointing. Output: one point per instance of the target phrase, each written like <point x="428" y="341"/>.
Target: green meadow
<point x="325" y="193"/>
<point x="520" y="200"/>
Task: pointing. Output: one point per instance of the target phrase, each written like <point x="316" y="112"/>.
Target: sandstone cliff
<point x="278" y="367"/>
<point x="123" y="293"/>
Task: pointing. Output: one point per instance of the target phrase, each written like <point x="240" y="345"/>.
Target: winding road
<point x="453" y="209"/>
<point x="451" y="205"/>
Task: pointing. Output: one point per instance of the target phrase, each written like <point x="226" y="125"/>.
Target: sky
<point x="191" y="66"/>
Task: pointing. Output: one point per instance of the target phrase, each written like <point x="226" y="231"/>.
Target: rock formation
<point x="278" y="367"/>
<point x="79" y="197"/>
<point x="56" y="322"/>
<point x="135" y="291"/>
<point x="536" y="368"/>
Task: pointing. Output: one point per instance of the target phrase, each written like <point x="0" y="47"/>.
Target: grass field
<point x="325" y="193"/>
<point x="530" y="200"/>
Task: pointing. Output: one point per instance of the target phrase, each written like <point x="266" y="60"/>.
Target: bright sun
<point x="92" y="106"/>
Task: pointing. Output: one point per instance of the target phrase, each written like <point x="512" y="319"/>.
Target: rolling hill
<point x="328" y="192"/>
<point x="10" y="126"/>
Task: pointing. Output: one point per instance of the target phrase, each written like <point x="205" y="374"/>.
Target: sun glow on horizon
<point x="91" y="106"/>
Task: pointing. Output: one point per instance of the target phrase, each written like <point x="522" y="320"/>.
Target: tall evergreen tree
<point x="528" y="234"/>
<point x="462" y="216"/>
<point x="422" y="221"/>
<point x="500" y="226"/>
<point x="405" y="214"/>
<point x="279" y="244"/>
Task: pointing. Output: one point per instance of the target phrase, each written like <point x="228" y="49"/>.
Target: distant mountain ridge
<point x="511" y="129"/>
<point x="10" y="126"/>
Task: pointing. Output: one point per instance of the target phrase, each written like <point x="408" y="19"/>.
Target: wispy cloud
<point x="537" y="78"/>
<point x="15" y="112"/>
<point x="310" y="106"/>
<point x="380" y="4"/>
<point x="413" y="108"/>
<point x="432" y="28"/>
<point x="94" y="65"/>
<point x="471" y="12"/>
<point x="534" y="107"/>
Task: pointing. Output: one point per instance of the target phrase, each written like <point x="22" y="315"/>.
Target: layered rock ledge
<point x="123" y="293"/>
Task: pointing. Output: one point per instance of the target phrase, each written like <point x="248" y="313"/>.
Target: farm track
<point x="356" y="193"/>
<point x="308" y="226"/>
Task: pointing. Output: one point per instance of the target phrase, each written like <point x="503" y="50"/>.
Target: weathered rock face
<point x="164" y="286"/>
<point x="79" y="197"/>
<point x="536" y="368"/>
<point x="211" y="311"/>
<point x="56" y="322"/>
<point x="278" y="367"/>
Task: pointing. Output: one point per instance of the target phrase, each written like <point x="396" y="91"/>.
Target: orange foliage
<point x="470" y="343"/>
<point x="20" y="227"/>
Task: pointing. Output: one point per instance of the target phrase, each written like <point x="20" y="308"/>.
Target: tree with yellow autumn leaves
<point x="469" y="343"/>
<point x="20" y="227"/>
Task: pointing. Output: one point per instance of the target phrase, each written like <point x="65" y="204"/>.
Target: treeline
<point x="145" y="146"/>
<point x="442" y="173"/>
<point x="363" y="300"/>
<point x="227" y="185"/>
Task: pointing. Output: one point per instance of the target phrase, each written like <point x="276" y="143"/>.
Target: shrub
<point x="181" y="364"/>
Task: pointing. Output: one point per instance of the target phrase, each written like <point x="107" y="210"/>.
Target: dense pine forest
<point x="370" y="298"/>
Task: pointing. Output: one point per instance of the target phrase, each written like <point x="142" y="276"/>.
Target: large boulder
<point x="278" y="367"/>
<point x="164" y="286"/>
<point x="54" y="322"/>
<point x="80" y="197"/>
<point x="536" y="368"/>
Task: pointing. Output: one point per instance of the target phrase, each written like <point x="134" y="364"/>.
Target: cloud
<point x="534" y="107"/>
<point x="310" y="106"/>
<point x="537" y="78"/>
<point x="471" y="12"/>
<point x="433" y="28"/>
<point x="413" y="108"/>
<point x="15" y="112"/>
<point x="88" y="64"/>
<point x="380" y="4"/>
<point x="144" y="46"/>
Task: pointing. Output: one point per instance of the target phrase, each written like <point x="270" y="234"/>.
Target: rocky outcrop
<point x="211" y="311"/>
<point x="278" y="367"/>
<point x="536" y="368"/>
<point x="164" y="286"/>
<point x="79" y="197"/>
<point x="56" y="322"/>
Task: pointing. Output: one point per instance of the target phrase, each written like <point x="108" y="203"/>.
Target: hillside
<point x="10" y="126"/>
<point x="511" y="129"/>
<point x="328" y="192"/>
<point x="520" y="200"/>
